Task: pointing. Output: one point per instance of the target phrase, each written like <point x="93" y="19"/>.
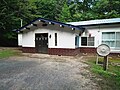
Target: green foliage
<point x="50" y="9"/>
<point x="65" y="15"/>
<point x="107" y="8"/>
<point x="7" y="53"/>
<point x="110" y="78"/>
<point x="44" y="9"/>
<point x="11" y="11"/>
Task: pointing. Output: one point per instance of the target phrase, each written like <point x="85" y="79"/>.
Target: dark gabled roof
<point x="53" y="22"/>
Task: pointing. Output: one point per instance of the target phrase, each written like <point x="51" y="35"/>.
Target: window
<point x="87" y="41"/>
<point x="118" y="39"/>
<point x="90" y="41"/>
<point x="111" y="38"/>
<point x="77" y="41"/>
<point x="83" y="41"/>
<point x="55" y="39"/>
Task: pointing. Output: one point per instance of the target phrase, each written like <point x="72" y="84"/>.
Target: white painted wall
<point x="96" y="32"/>
<point x="28" y="39"/>
<point x="65" y="37"/>
<point x="19" y="39"/>
<point x="66" y="40"/>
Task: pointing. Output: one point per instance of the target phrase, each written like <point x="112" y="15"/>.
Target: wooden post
<point x="97" y="59"/>
<point x="105" y="63"/>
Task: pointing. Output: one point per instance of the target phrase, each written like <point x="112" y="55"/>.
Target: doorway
<point x="41" y="42"/>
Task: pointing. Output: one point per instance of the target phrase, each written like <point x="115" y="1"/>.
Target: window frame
<point x="112" y="40"/>
<point x="77" y="40"/>
<point x="56" y="39"/>
<point x="87" y="42"/>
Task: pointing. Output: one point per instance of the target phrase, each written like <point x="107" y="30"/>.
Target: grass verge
<point x="110" y="79"/>
<point x="7" y="53"/>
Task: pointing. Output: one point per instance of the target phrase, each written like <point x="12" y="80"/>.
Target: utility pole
<point x="21" y="22"/>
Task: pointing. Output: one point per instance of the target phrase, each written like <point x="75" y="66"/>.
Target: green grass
<point x="111" y="77"/>
<point x="7" y="53"/>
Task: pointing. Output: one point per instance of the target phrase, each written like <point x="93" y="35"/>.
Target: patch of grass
<point x="7" y="53"/>
<point x="111" y="77"/>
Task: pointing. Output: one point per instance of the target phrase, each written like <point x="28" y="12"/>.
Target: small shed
<point x="51" y="37"/>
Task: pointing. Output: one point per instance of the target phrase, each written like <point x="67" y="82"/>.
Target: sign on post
<point x="104" y="50"/>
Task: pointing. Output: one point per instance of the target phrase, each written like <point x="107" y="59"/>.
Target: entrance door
<point x="41" y="42"/>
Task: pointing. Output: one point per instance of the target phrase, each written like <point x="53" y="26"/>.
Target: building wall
<point x="65" y="37"/>
<point x="65" y="40"/>
<point x="96" y="31"/>
<point x="64" y="51"/>
<point x="19" y="39"/>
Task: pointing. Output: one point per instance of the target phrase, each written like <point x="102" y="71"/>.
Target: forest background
<point x="13" y="11"/>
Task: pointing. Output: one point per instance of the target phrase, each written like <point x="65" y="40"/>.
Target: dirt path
<point x="45" y="72"/>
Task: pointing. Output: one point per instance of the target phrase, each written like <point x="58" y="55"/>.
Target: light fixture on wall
<point x="18" y="31"/>
<point x="61" y="26"/>
<point x="50" y="36"/>
<point x="73" y="28"/>
<point x="50" y="23"/>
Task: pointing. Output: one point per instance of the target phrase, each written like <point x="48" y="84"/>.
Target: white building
<point x="47" y="36"/>
<point x="104" y="31"/>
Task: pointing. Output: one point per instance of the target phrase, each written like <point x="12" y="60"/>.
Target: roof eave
<point x="100" y="24"/>
<point x="49" y="21"/>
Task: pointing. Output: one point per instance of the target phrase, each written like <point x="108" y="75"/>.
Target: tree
<point x="107" y="8"/>
<point x="44" y="8"/>
<point x="65" y="15"/>
<point x="82" y="10"/>
<point x="11" y="11"/>
<point x="50" y="9"/>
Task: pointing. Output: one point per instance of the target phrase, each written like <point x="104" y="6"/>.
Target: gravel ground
<point x="45" y="72"/>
